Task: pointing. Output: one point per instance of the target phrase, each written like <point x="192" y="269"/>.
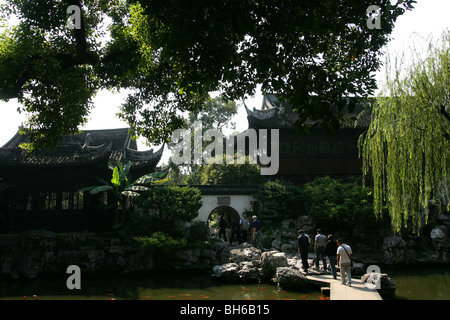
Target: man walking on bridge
<point x="303" y="247"/>
<point x="344" y="262"/>
<point x="319" y="248"/>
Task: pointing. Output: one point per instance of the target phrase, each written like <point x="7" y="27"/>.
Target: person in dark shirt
<point x="256" y="232"/>
<point x="303" y="247"/>
<point x="223" y="228"/>
<point x="235" y="230"/>
<point x="330" y="250"/>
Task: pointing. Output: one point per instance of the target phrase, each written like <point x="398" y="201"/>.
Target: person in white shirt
<point x="344" y="259"/>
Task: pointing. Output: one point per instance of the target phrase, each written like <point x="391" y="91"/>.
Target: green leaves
<point x="280" y="196"/>
<point x="120" y="180"/>
<point x="246" y="174"/>
<point x="339" y="205"/>
<point x="151" y="178"/>
<point x="123" y="190"/>
<point x="41" y="66"/>
<point x="160" y="241"/>
<point x="115" y="177"/>
<point x="168" y="204"/>
<point x="172" y="54"/>
<point x="95" y="190"/>
<point x="406" y="149"/>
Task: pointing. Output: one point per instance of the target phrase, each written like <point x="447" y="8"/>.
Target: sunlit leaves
<point x="407" y="147"/>
<point x="171" y="54"/>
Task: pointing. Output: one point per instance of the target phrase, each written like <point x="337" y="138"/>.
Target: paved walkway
<point x="358" y="290"/>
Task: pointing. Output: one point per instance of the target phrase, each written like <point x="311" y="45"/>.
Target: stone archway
<point x="238" y="199"/>
<point x="228" y="214"/>
<point x="240" y="203"/>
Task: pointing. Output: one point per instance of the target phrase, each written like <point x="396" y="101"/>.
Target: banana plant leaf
<point x="151" y="178"/>
<point x="116" y="177"/>
<point x="130" y="193"/>
<point x="136" y="188"/>
<point x="96" y="189"/>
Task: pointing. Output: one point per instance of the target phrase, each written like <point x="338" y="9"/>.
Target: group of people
<point x="241" y="228"/>
<point x="337" y="251"/>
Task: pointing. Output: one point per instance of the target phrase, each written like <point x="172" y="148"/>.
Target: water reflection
<point x="146" y="287"/>
<point x="421" y="283"/>
<point x="412" y="283"/>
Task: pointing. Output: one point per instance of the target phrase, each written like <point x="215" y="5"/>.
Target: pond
<point x="421" y="283"/>
<point x="147" y="287"/>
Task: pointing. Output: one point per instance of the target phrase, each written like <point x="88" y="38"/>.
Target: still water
<point x="144" y="287"/>
<point x="421" y="283"/>
<point x="412" y="284"/>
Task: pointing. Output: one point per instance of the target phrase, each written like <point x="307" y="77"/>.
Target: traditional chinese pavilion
<point x="41" y="190"/>
<point x="318" y="153"/>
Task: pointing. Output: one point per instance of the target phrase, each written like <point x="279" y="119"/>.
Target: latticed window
<point x="72" y="200"/>
<point x="66" y="200"/>
<point x="78" y="200"/>
<point x="48" y="200"/>
<point x="29" y="202"/>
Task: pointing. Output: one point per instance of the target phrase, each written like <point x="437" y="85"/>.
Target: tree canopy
<point x="169" y="204"/>
<point x="172" y="53"/>
<point x="407" y="146"/>
<point x="281" y="196"/>
<point x="246" y="174"/>
<point x="216" y="113"/>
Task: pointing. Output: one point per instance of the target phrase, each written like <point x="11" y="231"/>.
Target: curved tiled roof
<point x="277" y="115"/>
<point x="89" y="146"/>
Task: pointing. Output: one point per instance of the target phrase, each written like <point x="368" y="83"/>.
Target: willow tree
<point x="406" y="148"/>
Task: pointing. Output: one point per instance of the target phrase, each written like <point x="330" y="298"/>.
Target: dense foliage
<point x="246" y="174"/>
<point x="123" y="188"/>
<point x="281" y="197"/>
<point x="171" y="54"/>
<point x="217" y="114"/>
<point x="160" y="242"/>
<point x="345" y="206"/>
<point x="407" y="147"/>
<point x="164" y="206"/>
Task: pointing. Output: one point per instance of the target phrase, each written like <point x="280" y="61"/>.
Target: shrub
<point x="163" y="206"/>
<point x="280" y="197"/>
<point x="160" y="242"/>
<point x="342" y="206"/>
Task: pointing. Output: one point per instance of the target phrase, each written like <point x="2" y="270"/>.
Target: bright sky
<point x="429" y="18"/>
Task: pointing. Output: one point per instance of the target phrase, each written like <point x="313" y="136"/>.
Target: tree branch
<point x="83" y="55"/>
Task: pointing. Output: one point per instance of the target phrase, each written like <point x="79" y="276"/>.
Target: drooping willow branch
<point x="407" y="148"/>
